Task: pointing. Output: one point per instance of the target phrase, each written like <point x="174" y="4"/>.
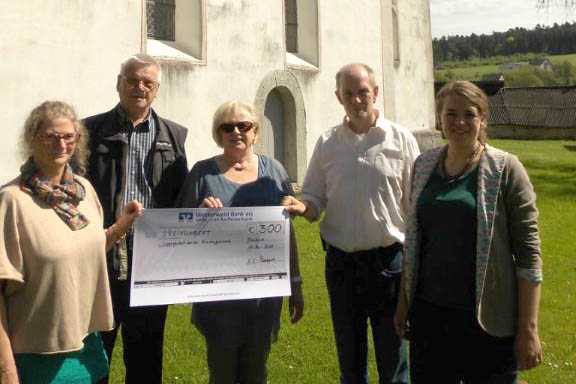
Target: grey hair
<point x="140" y="60"/>
<point x="346" y="69"/>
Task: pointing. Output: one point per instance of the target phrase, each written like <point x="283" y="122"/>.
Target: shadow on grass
<point x="556" y="180"/>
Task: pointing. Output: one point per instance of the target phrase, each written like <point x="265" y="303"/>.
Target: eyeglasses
<point x="243" y="126"/>
<point x="134" y="82"/>
<point x="54" y="138"/>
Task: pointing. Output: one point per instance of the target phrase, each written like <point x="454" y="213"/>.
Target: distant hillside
<point x="563" y="71"/>
<point x="554" y="40"/>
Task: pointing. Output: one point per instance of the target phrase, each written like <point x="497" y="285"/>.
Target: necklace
<point x="238" y="165"/>
<point x="477" y="151"/>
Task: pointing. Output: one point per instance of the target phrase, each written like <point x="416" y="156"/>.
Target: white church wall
<point x="72" y="51"/>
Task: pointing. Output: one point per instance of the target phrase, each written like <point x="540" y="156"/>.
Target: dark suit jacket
<point x="169" y="165"/>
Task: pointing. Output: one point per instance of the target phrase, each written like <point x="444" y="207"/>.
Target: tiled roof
<point x="534" y="106"/>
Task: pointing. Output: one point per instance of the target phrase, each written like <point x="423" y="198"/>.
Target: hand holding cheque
<point x="197" y="254"/>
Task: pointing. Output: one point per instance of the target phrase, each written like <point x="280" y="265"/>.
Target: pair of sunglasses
<point x="243" y="126"/>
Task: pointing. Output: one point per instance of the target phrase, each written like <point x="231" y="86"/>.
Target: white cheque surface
<point x="185" y="255"/>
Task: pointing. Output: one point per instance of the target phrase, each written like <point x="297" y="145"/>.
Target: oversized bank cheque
<point x="187" y="255"/>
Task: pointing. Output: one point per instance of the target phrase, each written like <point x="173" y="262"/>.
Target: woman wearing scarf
<point x="54" y="295"/>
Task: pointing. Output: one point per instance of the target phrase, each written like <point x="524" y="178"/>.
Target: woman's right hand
<point x="211" y="202"/>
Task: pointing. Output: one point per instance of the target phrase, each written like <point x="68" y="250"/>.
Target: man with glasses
<point x="135" y="155"/>
<point x="359" y="174"/>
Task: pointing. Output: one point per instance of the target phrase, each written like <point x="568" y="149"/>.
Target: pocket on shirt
<point x="389" y="163"/>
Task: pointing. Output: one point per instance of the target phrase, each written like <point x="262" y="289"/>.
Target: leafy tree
<point x="523" y="77"/>
<point x="565" y="73"/>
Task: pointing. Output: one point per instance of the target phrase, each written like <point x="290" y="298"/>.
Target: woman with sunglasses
<point x="238" y="333"/>
<point x="54" y="295"/>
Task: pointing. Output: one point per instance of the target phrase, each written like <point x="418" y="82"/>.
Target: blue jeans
<point x="364" y="286"/>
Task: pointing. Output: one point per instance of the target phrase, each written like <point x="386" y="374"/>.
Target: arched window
<point x="283" y="131"/>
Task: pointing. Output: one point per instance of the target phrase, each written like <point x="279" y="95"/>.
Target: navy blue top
<point x="205" y="179"/>
<point x="235" y="322"/>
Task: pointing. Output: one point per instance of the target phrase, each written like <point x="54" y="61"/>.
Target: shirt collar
<point x="125" y="123"/>
<point x="380" y="126"/>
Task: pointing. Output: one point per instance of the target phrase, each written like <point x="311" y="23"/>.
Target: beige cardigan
<point x="55" y="279"/>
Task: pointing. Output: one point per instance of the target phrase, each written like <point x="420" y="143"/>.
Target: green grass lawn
<point x="552" y="169"/>
<point x="557" y="59"/>
<point x="305" y="352"/>
<point x="472" y="73"/>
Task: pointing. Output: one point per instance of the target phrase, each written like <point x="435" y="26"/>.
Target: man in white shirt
<point x="359" y="174"/>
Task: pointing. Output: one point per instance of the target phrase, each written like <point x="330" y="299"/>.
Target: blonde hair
<point x="50" y="110"/>
<point x="473" y="94"/>
<point x="228" y="109"/>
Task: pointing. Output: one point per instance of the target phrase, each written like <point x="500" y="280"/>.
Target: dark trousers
<point x="364" y="286"/>
<point x="448" y="346"/>
<point x="232" y="364"/>
<point x="142" y="336"/>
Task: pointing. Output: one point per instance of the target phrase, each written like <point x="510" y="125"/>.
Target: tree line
<point x="554" y="40"/>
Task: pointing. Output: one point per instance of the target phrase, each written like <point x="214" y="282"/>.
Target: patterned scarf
<point x="63" y="198"/>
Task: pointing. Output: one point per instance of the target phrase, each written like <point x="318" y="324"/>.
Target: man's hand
<point x="294" y="206"/>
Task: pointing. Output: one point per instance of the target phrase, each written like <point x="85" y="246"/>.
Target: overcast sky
<point x="464" y="17"/>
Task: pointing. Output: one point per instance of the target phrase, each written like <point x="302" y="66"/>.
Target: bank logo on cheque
<point x="184" y="217"/>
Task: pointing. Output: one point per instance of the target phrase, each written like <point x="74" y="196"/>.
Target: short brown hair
<point x="50" y="110"/>
<point x="470" y="92"/>
<point x="227" y="109"/>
